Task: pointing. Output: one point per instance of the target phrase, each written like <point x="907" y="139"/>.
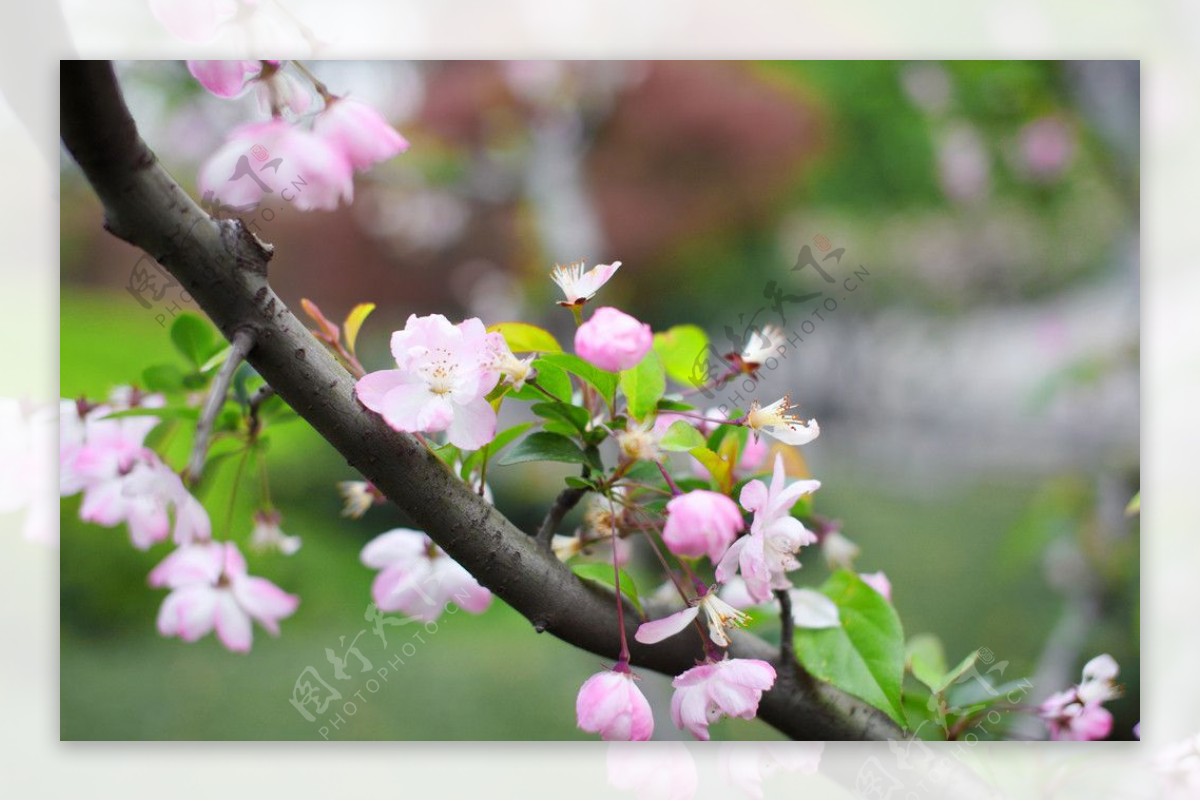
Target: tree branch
<point x="563" y="504"/>
<point x="223" y="265"/>
<point x="242" y="342"/>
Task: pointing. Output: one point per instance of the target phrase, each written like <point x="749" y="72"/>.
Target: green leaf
<point x="643" y="385"/>
<point x="544" y="446"/>
<point x="523" y="338"/>
<point x="576" y="482"/>
<point x="492" y="448"/>
<point x="573" y="416"/>
<point x="668" y="405"/>
<point x="926" y="659"/>
<point x="163" y="378"/>
<point x="551" y="379"/>
<point x="602" y="573"/>
<point x="865" y="655"/>
<point x="681" y="436"/>
<point x="216" y="360"/>
<point x="954" y="675"/>
<point x="683" y="350"/>
<point x="602" y="380"/>
<point x="194" y="338"/>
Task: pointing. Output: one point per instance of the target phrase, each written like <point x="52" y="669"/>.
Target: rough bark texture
<point x="224" y="267"/>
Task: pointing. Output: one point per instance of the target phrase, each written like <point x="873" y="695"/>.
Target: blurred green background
<point x="977" y="394"/>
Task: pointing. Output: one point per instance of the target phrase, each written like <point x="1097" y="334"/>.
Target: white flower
<point x="718" y="614"/>
<point x="639" y="442"/>
<point x="761" y="345"/>
<point x="359" y="496"/>
<point x="268" y="536"/>
<point x="578" y="286"/>
<point x="839" y="550"/>
<point x="778" y="421"/>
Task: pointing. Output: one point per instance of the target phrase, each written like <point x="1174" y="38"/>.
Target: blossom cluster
<point x="449" y="380"/>
<point x="103" y="455"/>
<point x="308" y="157"/>
<point x="1077" y="713"/>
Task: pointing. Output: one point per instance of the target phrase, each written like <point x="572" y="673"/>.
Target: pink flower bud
<point x="611" y="705"/>
<point x="702" y="523"/>
<point x="612" y="340"/>
<point x="878" y="581"/>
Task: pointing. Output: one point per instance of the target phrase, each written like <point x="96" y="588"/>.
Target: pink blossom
<point x="358" y="131"/>
<point x="767" y="553"/>
<point x="730" y="687"/>
<point x="878" y="581"/>
<point x="279" y="159"/>
<point x="579" y="286"/>
<point x="661" y="770"/>
<point x="141" y="495"/>
<point x="27" y="474"/>
<point x="195" y="20"/>
<point x="612" y="340"/>
<point x="611" y="705"/>
<point x="268" y="536"/>
<point x="1047" y="147"/>
<point x="418" y="578"/>
<point x="224" y="78"/>
<point x="444" y="373"/>
<point x="211" y="589"/>
<point x="1070" y="719"/>
<point x="1077" y="713"/>
<point x="701" y="523"/>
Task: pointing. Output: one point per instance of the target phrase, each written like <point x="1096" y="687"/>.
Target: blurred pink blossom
<point x="278" y="159"/>
<point x="358" y="131"/>
<point x="418" y="578"/>
<point x="210" y="589"/>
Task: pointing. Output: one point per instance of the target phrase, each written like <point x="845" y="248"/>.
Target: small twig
<point x="563" y="504"/>
<point x="242" y="342"/>
<point x="260" y="396"/>
<point x="787" y="635"/>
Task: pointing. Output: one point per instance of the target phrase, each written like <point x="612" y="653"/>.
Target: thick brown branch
<point x="224" y="267"/>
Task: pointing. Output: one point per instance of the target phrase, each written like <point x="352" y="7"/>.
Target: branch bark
<point x="223" y="265"/>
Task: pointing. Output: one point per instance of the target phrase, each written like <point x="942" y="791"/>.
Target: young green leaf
<point x="524" y="338"/>
<point x="602" y="573"/>
<point x="602" y="380"/>
<point x="683" y="349"/>
<point x="926" y="659"/>
<point x="643" y="385"/>
<point x="681" y="436"/>
<point x="544" y="446"/>
<point x="472" y="462"/>
<point x="954" y="675"/>
<point x="162" y="378"/>
<point x="573" y="416"/>
<point x="865" y="655"/>
<point x="194" y="338"/>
